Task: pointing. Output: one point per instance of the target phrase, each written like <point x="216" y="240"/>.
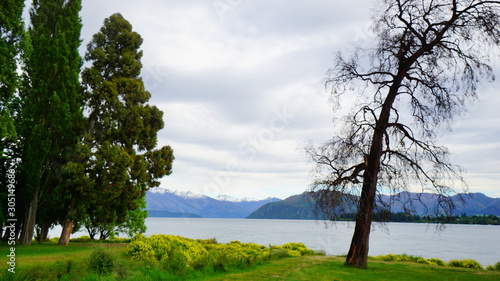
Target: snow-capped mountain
<point x="166" y="203"/>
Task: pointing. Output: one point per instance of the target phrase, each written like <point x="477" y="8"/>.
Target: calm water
<point x="479" y="242"/>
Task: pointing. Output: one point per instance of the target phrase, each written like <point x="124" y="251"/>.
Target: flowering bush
<point x="173" y="253"/>
<point x="465" y="263"/>
<point x="178" y="254"/>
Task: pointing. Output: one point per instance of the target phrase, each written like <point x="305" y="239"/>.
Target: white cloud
<point x="241" y="89"/>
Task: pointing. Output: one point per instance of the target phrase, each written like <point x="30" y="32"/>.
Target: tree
<point x="120" y="158"/>
<point x="429" y="59"/>
<point x="51" y="103"/>
<point x="134" y="223"/>
<point x="11" y="31"/>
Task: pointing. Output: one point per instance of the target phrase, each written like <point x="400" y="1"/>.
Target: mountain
<point x="293" y="207"/>
<point x="165" y="203"/>
<point x="300" y="207"/>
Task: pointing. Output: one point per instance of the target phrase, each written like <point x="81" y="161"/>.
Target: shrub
<point x="494" y="267"/>
<point x="54" y="240"/>
<point x="407" y="258"/>
<point x="434" y="261"/>
<point x="278" y="254"/>
<point x="118" y="240"/>
<point x="466" y="264"/>
<point x="142" y="250"/>
<point x="173" y="253"/>
<point x="100" y="262"/>
<point x="179" y="255"/>
<point x="298" y="249"/>
<point x="82" y="239"/>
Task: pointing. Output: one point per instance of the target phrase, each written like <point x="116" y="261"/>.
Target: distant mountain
<point x="300" y="206"/>
<point x="293" y="207"/>
<point x="165" y="203"/>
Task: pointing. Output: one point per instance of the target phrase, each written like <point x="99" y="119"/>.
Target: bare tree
<point x="428" y="61"/>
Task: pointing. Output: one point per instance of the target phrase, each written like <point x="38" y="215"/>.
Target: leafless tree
<point x="428" y="61"/>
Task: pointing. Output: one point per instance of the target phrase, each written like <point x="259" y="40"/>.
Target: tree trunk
<point x="44" y="232"/>
<point x="68" y="225"/>
<point x="358" y="251"/>
<point x="30" y="219"/>
<point x="66" y="232"/>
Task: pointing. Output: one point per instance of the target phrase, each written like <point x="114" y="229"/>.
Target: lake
<point x="479" y="242"/>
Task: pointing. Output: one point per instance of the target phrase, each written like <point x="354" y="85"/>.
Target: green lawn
<point x="53" y="262"/>
<point x="333" y="268"/>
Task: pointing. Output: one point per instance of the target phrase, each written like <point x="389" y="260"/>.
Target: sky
<point x="241" y="85"/>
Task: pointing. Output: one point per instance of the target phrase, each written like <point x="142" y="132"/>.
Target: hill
<point x="165" y="203"/>
<point x="300" y="207"/>
<point x="293" y="207"/>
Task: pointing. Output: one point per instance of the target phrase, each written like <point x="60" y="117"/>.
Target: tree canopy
<point x="120" y="162"/>
<point x="86" y="146"/>
<point x="51" y="103"/>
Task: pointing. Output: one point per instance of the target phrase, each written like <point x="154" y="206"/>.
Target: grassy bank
<point x="333" y="268"/>
<point x="52" y="262"/>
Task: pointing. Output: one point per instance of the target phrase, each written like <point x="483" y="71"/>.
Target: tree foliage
<point x="428" y="61"/>
<point x="51" y="104"/>
<point x="82" y="154"/>
<point x="11" y="30"/>
<point x="121" y="129"/>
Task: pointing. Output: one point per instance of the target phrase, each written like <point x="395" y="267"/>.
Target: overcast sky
<point x="240" y="84"/>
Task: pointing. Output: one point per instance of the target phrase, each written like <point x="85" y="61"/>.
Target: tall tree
<point x="51" y="102"/>
<point x="428" y="61"/>
<point x="121" y="129"/>
<point x="11" y="31"/>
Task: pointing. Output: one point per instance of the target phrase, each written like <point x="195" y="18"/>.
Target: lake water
<point x="479" y="242"/>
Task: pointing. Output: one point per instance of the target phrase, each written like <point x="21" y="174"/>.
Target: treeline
<point x="77" y="146"/>
<point x="405" y="217"/>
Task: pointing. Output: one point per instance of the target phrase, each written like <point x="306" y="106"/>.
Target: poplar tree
<point x="11" y="31"/>
<point x="119" y="160"/>
<point x="51" y="105"/>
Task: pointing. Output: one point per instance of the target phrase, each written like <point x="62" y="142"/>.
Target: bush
<point x="100" y="262"/>
<point x="173" y="253"/>
<point x="278" y="254"/>
<point x="82" y="239"/>
<point x="222" y="257"/>
<point x="495" y="267"/>
<point x="54" y="240"/>
<point x="465" y="264"/>
<point x="180" y="255"/>
<point x="407" y="258"/>
<point x="434" y="261"/>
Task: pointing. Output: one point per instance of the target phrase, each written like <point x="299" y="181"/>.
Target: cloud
<point x="241" y="86"/>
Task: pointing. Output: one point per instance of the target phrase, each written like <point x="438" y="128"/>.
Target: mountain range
<point x="162" y="202"/>
<point x="300" y="207"/>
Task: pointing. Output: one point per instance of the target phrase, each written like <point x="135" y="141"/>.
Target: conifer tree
<point x="119" y="160"/>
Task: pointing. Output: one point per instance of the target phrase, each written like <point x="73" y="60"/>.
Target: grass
<point x="52" y="262"/>
<point x="333" y="268"/>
